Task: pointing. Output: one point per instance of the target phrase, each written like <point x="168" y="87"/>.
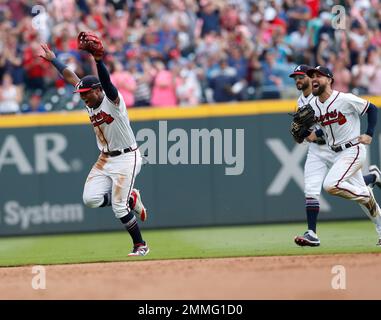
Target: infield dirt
<point x="286" y="277"/>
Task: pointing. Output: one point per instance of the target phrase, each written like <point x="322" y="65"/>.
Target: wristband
<point x="59" y="65"/>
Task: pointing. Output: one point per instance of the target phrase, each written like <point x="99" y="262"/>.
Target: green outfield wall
<point x="217" y="165"/>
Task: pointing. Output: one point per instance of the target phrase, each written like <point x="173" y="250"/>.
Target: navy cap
<point x="322" y="70"/>
<point x="87" y="83"/>
<point x="300" y="69"/>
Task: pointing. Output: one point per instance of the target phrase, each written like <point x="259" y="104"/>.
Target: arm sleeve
<point x="104" y="77"/>
<point x="372" y="119"/>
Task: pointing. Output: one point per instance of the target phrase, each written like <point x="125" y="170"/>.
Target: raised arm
<point x="107" y="86"/>
<point x="69" y="76"/>
<point x="90" y="42"/>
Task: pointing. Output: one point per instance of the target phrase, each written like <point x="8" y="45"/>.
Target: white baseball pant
<point x="345" y="179"/>
<point x="115" y="174"/>
<point x="319" y="160"/>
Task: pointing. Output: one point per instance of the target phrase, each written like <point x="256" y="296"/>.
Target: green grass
<point x="262" y="240"/>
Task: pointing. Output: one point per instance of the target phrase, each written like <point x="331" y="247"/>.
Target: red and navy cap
<point x="322" y="70"/>
<point x="300" y="70"/>
<point x="87" y="83"/>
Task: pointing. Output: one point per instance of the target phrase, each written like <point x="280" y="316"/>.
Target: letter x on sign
<point x="291" y="169"/>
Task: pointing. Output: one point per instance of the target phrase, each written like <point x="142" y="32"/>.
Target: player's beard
<point x="319" y="90"/>
<point x="303" y="86"/>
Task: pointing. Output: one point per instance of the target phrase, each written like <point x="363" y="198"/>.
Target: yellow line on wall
<point x="44" y="119"/>
<point x="150" y="113"/>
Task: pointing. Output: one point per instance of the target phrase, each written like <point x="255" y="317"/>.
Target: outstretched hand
<point x="48" y="54"/>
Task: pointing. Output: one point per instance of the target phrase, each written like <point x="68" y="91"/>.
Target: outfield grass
<point x="262" y="240"/>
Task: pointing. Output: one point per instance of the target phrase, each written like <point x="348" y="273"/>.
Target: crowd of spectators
<point x="187" y="52"/>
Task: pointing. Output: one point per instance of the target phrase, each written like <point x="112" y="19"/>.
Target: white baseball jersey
<point x="112" y="126"/>
<point x="302" y="100"/>
<point x="339" y="115"/>
<point x="319" y="159"/>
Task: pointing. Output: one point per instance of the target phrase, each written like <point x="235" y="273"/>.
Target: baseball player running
<point x="319" y="159"/>
<point x="111" y="179"/>
<point x="338" y="115"/>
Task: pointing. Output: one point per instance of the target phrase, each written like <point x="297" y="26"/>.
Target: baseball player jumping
<point x="111" y="179"/>
<point x="338" y="115"/>
<point x="319" y="160"/>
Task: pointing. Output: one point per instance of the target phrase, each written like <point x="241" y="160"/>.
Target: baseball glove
<point x="90" y="42"/>
<point x="303" y="120"/>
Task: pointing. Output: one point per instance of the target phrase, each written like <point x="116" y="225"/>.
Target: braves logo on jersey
<point x="332" y="117"/>
<point x="100" y="118"/>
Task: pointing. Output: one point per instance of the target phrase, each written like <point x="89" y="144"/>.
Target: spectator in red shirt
<point x="314" y="6"/>
<point x="35" y="68"/>
<point x="276" y="24"/>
